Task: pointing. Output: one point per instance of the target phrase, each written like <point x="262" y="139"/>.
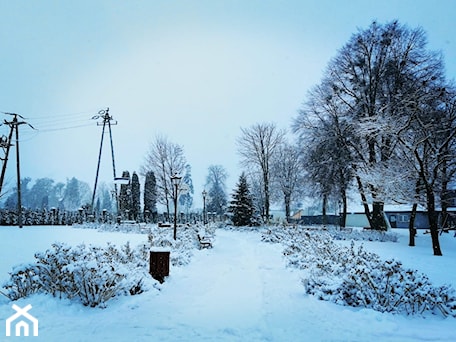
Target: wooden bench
<point x="204" y="242"/>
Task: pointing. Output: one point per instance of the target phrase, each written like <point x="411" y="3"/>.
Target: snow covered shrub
<point x="96" y="283"/>
<point x="355" y="277"/>
<point x="273" y="235"/>
<point x="311" y="248"/>
<point x="91" y="274"/>
<point x="23" y="282"/>
<point x="361" y="279"/>
<point x="363" y="235"/>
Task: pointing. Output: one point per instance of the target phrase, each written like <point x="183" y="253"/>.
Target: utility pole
<point x="107" y="121"/>
<point x="5" y="143"/>
<point x="14" y="126"/>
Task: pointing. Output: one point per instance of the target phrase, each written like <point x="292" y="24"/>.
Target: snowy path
<point x="239" y="289"/>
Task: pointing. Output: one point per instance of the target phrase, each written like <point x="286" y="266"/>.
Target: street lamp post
<point x="175" y="180"/>
<point x="204" y="206"/>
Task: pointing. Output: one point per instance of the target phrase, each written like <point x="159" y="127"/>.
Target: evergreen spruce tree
<point x="125" y="196"/>
<point x="135" y="197"/>
<point x="242" y="203"/>
<point x="150" y="197"/>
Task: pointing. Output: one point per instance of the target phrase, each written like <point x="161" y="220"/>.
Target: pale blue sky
<point x="195" y="71"/>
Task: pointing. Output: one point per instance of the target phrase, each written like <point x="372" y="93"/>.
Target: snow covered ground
<point x="238" y="291"/>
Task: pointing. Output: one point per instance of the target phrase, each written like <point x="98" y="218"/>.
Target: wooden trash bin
<point x="159" y="263"/>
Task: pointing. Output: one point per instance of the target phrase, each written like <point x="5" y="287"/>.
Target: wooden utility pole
<point x="18" y="171"/>
<point x="5" y="144"/>
<point x="14" y="126"/>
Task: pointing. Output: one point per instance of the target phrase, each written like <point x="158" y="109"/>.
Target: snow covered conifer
<point x="135" y="197"/>
<point x="242" y="203"/>
<point x="150" y="196"/>
<point x="125" y="196"/>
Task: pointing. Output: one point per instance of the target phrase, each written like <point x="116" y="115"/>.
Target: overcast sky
<point x="194" y="71"/>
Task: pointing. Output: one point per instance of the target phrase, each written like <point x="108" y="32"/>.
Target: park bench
<point x="204" y="242"/>
<point x="442" y="230"/>
<point x="128" y="222"/>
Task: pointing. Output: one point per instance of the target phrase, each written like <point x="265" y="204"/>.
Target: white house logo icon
<point x="22" y="325"/>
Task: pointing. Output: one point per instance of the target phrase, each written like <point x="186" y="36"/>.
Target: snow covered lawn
<point x="240" y="290"/>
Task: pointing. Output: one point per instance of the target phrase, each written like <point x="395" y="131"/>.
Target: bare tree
<point x="287" y="173"/>
<point x="388" y="94"/>
<point x="323" y="136"/>
<point x="255" y="180"/>
<point x="165" y="159"/>
<point x="257" y="146"/>
<point x="216" y="184"/>
<point x="430" y="137"/>
<point x="374" y="78"/>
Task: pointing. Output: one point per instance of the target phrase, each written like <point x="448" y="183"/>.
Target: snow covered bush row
<point x="362" y="235"/>
<point x="116" y="227"/>
<point x="359" y="278"/>
<point x="39" y="217"/>
<point x="335" y="232"/>
<point x="90" y="274"/>
<point x="355" y="277"/>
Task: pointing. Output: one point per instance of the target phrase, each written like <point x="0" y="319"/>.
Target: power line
<point x="54" y="116"/>
<point x="61" y="122"/>
<point x="60" y="116"/>
<point x="62" y="128"/>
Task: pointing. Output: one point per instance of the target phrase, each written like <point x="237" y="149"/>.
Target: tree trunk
<point x="343" y="217"/>
<point x="378" y="219"/>
<point x="323" y="211"/>
<point x="266" y="196"/>
<point x="433" y="221"/>
<point x="364" y="200"/>
<point x="287" y="208"/>
<point x="412" y="229"/>
<point x="167" y="206"/>
<point x="445" y="201"/>
<point x="445" y="194"/>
